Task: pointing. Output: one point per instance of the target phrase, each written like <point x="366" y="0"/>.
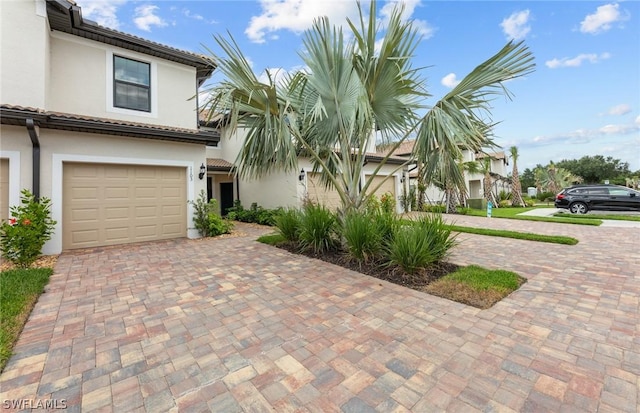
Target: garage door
<point x="118" y="204"/>
<point x="319" y="194"/>
<point x="388" y="185"/>
<point x="4" y="189"/>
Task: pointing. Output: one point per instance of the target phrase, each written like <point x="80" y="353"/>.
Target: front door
<point x="226" y="197"/>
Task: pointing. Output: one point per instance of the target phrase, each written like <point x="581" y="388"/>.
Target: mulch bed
<point x="381" y="271"/>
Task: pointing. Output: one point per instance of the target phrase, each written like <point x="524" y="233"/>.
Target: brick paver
<point x="233" y="325"/>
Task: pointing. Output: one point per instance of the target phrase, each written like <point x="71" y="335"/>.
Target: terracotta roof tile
<point x="217" y="163"/>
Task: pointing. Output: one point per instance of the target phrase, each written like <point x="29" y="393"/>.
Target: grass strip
<point x="553" y="239"/>
<point x="513" y="213"/>
<point x="19" y="291"/>
<point x="476" y="286"/>
<point x="599" y="217"/>
<point x="272" y="239"/>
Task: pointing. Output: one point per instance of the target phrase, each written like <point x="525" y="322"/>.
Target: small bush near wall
<point x="25" y="233"/>
<point x="206" y="220"/>
<point x="255" y="214"/>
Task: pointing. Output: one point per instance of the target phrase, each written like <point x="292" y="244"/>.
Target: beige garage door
<point x="388" y="185"/>
<point x="118" y="204"/>
<point x="4" y="189"/>
<point x="319" y="194"/>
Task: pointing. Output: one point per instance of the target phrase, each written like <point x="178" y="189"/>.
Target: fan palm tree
<point x="553" y="179"/>
<point x="516" y="188"/>
<point x="351" y="88"/>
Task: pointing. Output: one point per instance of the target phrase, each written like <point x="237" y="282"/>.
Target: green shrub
<point x="387" y="203"/>
<point x="545" y="196"/>
<point x="530" y="202"/>
<point x="409" y="249"/>
<point x="420" y="244"/>
<point x="434" y="208"/>
<point x="504" y="195"/>
<point x="372" y="205"/>
<point x="255" y="214"/>
<point x="438" y="235"/>
<point x="317" y="229"/>
<point x="288" y="224"/>
<point x="25" y="233"/>
<point x="504" y="203"/>
<point x="362" y="238"/>
<point x="206" y="219"/>
<point x="386" y="225"/>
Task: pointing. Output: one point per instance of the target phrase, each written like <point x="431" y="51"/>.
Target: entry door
<point x="226" y="197"/>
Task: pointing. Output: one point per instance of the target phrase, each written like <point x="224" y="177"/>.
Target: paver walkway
<point x="233" y="325"/>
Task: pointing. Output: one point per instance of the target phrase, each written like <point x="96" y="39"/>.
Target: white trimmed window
<point x="131" y="84"/>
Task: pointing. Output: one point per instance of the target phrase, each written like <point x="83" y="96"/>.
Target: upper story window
<point x="131" y="84"/>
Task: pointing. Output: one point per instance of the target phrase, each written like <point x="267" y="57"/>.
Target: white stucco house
<point x="102" y="123"/>
<point x="106" y="125"/>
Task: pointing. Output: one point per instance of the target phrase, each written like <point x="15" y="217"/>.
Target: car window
<point x="619" y="192"/>
<point x="598" y="191"/>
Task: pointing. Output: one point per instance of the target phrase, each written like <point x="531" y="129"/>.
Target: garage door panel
<point x="112" y="213"/>
<point x="146" y="212"/>
<point x="85" y="193"/>
<point x="84" y="238"/>
<point x="112" y="193"/>
<point x="388" y="185"/>
<point x="84" y="215"/>
<point x="318" y="193"/>
<point x="122" y="204"/>
<point x="171" y="229"/>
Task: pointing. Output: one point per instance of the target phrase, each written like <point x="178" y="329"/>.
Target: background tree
<point x="552" y="179"/>
<point x="355" y="85"/>
<point x="596" y="169"/>
<point x="527" y="178"/>
<point x="516" y="189"/>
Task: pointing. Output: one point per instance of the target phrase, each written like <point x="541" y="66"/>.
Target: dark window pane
<point x="132" y="97"/>
<point x="131" y="71"/>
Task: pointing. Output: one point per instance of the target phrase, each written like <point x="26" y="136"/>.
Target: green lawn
<point x="19" y="291"/>
<point x="476" y="286"/>
<point x="513" y="213"/>
<point x="529" y="236"/>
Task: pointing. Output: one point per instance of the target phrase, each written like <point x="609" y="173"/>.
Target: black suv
<point x="580" y="199"/>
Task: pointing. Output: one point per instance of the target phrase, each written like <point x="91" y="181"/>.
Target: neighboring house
<point x="473" y="182"/>
<point x="284" y="189"/>
<point x="101" y="122"/>
<point x="499" y="171"/>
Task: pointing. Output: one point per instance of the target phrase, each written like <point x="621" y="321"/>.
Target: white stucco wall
<point x="24" y="42"/>
<point x="82" y="83"/>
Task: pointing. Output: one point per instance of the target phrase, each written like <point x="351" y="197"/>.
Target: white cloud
<point x="103" y="12"/>
<point x="618" y="110"/>
<point x="296" y="16"/>
<point x="188" y="13"/>
<point x="586" y="135"/>
<point x="450" y="80"/>
<point x="409" y="6"/>
<point x="601" y="20"/>
<point x="516" y="26"/>
<point x="576" y="61"/>
<point x="145" y="17"/>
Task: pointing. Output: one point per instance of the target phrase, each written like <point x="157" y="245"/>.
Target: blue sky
<point x="583" y="98"/>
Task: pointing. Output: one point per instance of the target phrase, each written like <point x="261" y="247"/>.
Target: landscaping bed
<point x="473" y="285"/>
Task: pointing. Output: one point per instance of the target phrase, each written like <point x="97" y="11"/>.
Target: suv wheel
<point x="578" y="208"/>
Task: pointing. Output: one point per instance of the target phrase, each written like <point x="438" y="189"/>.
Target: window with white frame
<point x="131" y="84"/>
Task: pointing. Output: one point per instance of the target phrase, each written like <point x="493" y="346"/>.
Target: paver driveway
<point x="230" y="325"/>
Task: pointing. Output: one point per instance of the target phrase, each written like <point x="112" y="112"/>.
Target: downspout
<point x="35" y="142"/>
<point x="237" y="188"/>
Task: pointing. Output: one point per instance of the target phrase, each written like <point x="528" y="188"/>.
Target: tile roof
<point x="14" y="114"/>
<point x="404" y="149"/>
<point x="219" y="164"/>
